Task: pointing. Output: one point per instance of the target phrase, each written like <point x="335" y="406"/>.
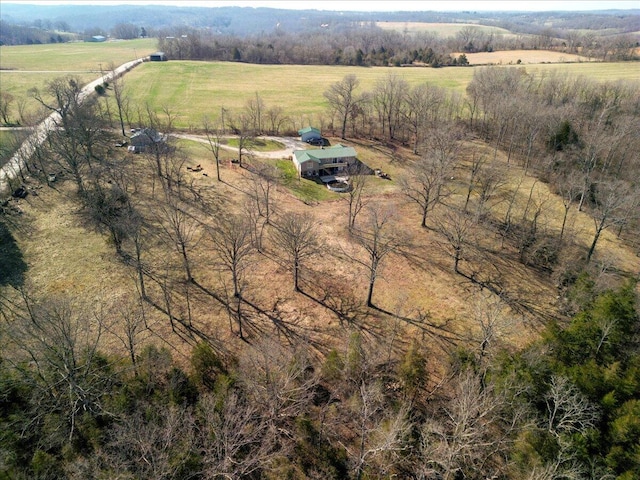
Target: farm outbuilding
<point x="158" y="57"/>
<point x="144" y="138"/>
<point x="309" y="133"/>
<point x="98" y="38"/>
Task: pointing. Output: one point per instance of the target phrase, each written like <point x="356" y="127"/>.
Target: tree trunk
<point x="239" y="317"/>
<point x="595" y="240"/>
<point x="344" y="124"/>
<point x="143" y="291"/>
<point x="185" y="259"/>
<point x="564" y="222"/>
<point x="296" y="267"/>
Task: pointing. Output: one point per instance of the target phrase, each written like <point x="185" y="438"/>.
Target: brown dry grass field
<point x="418" y="294"/>
<point x="440" y="29"/>
<point x="526" y="57"/>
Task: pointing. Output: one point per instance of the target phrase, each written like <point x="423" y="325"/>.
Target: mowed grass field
<point x="26" y="66"/>
<point x="193" y="90"/>
<point x="73" y="56"/>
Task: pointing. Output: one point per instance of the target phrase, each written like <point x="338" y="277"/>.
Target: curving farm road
<point x="14" y="166"/>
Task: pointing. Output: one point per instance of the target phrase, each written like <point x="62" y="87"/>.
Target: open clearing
<point x="66" y="258"/>
<point x="26" y="66"/>
<point x="510" y="57"/>
<point x="195" y="89"/>
<point x="73" y="56"/>
<point x="433" y="302"/>
<point x="440" y="29"/>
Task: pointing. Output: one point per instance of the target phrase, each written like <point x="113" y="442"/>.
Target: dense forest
<point x="565" y="407"/>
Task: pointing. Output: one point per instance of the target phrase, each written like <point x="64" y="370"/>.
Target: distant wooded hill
<point x="247" y="21"/>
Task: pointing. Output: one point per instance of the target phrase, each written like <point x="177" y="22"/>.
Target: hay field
<point x="195" y="89"/>
<point x="509" y="57"/>
<point x="25" y="66"/>
<point x="440" y="29"/>
<point x="75" y="56"/>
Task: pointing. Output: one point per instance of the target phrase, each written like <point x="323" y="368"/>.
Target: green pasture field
<point x="193" y="90"/>
<point x="26" y="66"/>
<point x="599" y="71"/>
<point x="440" y="29"/>
<point x="74" y="56"/>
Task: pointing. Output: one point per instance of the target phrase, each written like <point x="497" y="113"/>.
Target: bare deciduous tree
<point x="423" y="102"/>
<point x="243" y="128"/>
<point x="613" y="199"/>
<point x="277" y="119"/>
<point x="55" y="345"/>
<point x="358" y="176"/>
<point x="6" y="99"/>
<point x="121" y="98"/>
<point x="473" y="433"/>
<point x="181" y="228"/>
<point x="264" y="181"/>
<point x="341" y="98"/>
<point x="233" y="243"/>
<point x="255" y="113"/>
<point x="388" y="99"/>
<point x="213" y="137"/>
<point x="430" y="173"/>
<point x="297" y="237"/>
<point x="379" y="237"/>
<point x="234" y="438"/>
<point x="456" y="228"/>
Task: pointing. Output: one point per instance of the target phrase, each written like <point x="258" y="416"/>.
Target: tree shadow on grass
<point x="12" y="264"/>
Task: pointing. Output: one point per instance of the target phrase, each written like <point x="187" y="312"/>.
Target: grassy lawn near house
<point x="258" y="145"/>
<point x="306" y="190"/>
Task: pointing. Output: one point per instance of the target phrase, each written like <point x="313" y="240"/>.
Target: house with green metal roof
<point x="309" y="133"/>
<point x="324" y="161"/>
